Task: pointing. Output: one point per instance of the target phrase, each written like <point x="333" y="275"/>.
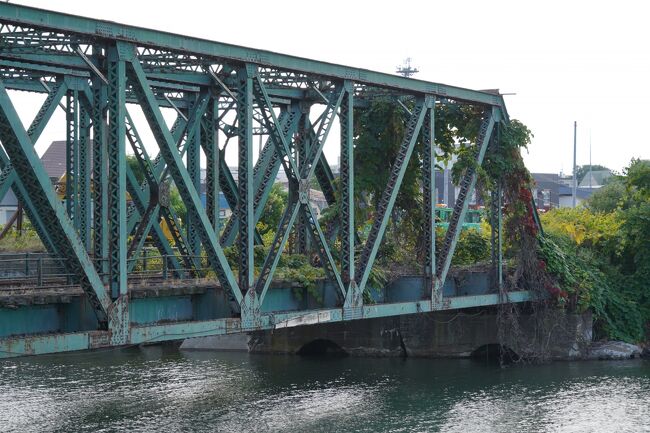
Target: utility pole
<point x="575" y="167"/>
<point x="590" y="168"/>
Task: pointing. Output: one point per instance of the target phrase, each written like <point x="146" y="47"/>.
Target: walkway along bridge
<point x="91" y="289"/>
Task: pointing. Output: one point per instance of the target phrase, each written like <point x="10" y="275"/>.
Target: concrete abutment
<point x="444" y="334"/>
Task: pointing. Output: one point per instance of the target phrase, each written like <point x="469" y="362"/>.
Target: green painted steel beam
<point x="52" y="70"/>
<point x="287" y="221"/>
<point x="117" y="172"/>
<point x="51" y="343"/>
<point x="100" y="177"/>
<point x="100" y="29"/>
<point x="429" y="201"/>
<point x="210" y="145"/>
<point x="353" y="297"/>
<point x="57" y="60"/>
<point x="245" y="207"/>
<point x="193" y="162"/>
<point x="85" y="166"/>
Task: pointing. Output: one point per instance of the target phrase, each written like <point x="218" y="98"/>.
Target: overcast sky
<point x="566" y="61"/>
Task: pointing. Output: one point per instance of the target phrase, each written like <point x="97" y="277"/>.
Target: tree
<point x="273" y="210"/>
<point x="582" y="170"/>
<point x="608" y="198"/>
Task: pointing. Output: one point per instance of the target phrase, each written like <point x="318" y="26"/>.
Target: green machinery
<point x="473" y="218"/>
<point x="98" y="72"/>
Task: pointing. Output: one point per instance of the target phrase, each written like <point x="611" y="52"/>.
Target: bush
<point x="472" y="247"/>
<point x="586" y="228"/>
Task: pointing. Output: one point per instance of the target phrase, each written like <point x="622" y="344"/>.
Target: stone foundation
<point x="437" y="334"/>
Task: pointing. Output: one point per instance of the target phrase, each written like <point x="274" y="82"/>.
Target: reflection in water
<point x="158" y="389"/>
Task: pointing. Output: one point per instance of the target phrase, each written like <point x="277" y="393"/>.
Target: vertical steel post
<point x="496" y="221"/>
<point x="193" y="161"/>
<point x="83" y="204"/>
<point x="353" y="304"/>
<point x="302" y="146"/>
<point x="210" y="138"/>
<point x="117" y="172"/>
<point x="347" y="187"/>
<point x="575" y="166"/>
<point x="245" y="184"/>
<point x="100" y="171"/>
<point x="429" y="201"/>
<point x="119" y="314"/>
<point x="500" y="237"/>
<point x="39" y="274"/>
<point x="72" y="155"/>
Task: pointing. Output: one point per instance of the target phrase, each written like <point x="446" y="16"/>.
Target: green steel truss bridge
<point x="91" y="289"/>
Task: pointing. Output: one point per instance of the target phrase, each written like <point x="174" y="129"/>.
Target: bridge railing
<point x="41" y="270"/>
<point x="155" y="266"/>
<point x="33" y="269"/>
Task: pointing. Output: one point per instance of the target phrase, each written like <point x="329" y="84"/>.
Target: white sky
<point x="566" y="61"/>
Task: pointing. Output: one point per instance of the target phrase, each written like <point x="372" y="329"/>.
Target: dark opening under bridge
<point x="92" y="289"/>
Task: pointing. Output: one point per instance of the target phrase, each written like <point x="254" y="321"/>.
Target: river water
<point x="158" y="389"/>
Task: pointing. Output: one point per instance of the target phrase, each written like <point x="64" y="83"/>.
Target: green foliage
<point x="597" y="230"/>
<point x="176" y="202"/>
<point x="379" y="131"/>
<point x="472" y="247"/>
<point x="605" y="258"/>
<point x="296" y="268"/>
<point x="609" y="197"/>
<point x="587" y="281"/>
<point x="638" y="179"/>
<point x="273" y="209"/>
<point x="28" y="241"/>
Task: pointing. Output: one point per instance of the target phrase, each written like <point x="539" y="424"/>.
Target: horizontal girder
<point x="55" y="32"/>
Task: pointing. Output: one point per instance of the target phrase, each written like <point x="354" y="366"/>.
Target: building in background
<point x="595" y="179"/>
<point x="54" y="163"/>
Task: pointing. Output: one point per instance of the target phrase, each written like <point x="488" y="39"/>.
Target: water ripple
<point x="154" y="390"/>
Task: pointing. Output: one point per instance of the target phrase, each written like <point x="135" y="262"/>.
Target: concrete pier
<point x="435" y="335"/>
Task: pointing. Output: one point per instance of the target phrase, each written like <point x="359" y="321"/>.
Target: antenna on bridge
<point x="406" y="70"/>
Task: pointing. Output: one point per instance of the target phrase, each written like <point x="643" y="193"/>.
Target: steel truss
<point x="96" y="70"/>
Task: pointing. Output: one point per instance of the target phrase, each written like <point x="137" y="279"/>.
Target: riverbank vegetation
<point x="600" y="254"/>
